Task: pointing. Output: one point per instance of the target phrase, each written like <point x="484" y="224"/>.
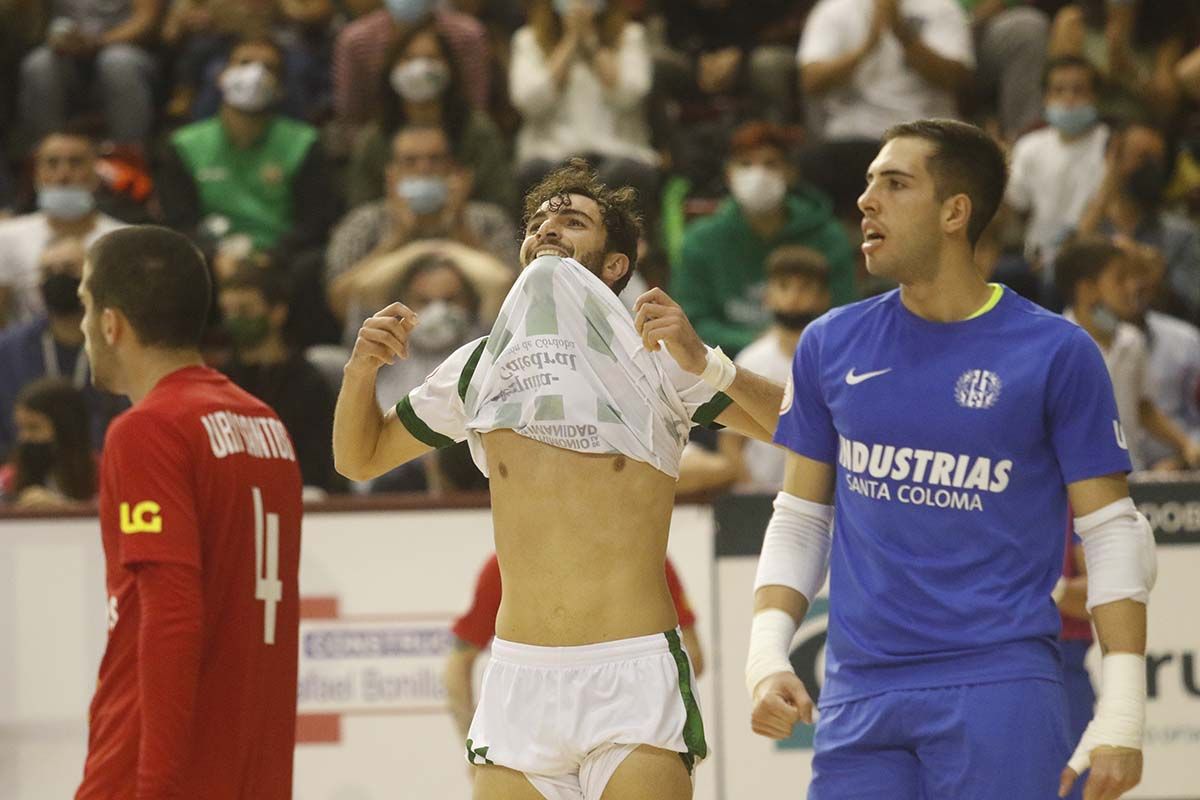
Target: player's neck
<point x="153" y="366"/>
<point x="952" y="295"/>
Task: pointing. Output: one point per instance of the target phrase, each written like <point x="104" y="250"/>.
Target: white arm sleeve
<point x="795" y="550"/>
<point x="1118" y="545"/>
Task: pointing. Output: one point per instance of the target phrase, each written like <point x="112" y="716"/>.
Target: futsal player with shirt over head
<point x="200" y="520"/>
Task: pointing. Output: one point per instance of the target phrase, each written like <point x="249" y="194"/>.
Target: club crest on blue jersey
<point x="977" y="388"/>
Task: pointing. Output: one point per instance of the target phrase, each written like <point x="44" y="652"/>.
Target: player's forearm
<point x="169" y="643"/>
<point x="783" y="598"/>
<point x="1121" y="626"/>
<point x="357" y="424"/>
<point x="758" y="397"/>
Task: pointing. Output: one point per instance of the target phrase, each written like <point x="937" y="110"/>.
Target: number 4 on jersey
<point x="267" y="586"/>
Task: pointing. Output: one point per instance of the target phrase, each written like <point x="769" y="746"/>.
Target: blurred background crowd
<point x="330" y="156"/>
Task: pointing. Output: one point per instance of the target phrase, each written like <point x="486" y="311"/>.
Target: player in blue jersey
<point x="944" y="427"/>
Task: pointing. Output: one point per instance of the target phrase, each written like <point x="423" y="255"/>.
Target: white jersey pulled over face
<point x="563" y="365"/>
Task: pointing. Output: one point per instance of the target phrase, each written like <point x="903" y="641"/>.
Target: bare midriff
<point x="581" y="541"/>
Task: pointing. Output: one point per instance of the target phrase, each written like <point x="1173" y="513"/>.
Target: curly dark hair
<point x="618" y="208"/>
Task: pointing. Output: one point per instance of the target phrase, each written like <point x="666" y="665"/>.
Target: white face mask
<point x="420" y="79"/>
<point x="443" y="326"/>
<point x="248" y="87"/>
<point x="757" y="189"/>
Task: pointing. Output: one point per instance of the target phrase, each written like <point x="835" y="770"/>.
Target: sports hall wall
<point x="380" y="585"/>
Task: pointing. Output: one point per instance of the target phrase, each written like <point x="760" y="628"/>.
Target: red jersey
<point x="478" y="625"/>
<point x="201" y="478"/>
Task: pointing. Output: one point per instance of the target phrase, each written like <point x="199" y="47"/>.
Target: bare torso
<point x="581" y="541"/>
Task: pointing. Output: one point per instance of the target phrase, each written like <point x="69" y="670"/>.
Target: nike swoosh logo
<point x="854" y="380"/>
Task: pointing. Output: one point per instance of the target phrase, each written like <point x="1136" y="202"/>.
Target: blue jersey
<point x="953" y="445"/>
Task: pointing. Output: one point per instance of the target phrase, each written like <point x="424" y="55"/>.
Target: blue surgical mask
<point x="424" y="194"/>
<point x="66" y="202"/>
<point x="407" y="12"/>
<point x="1104" y="319"/>
<point x="1071" y="120"/>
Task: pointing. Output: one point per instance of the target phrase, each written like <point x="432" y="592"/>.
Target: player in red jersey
<point x="200" y="518"/>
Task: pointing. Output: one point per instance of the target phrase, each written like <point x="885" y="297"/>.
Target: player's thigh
<point x="501" y="783"/>
<point x="649" y="772"/>
<point x="859" y="751"/>
<point x="997" y="741"/>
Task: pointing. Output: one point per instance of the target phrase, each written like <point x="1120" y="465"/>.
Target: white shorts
<point x="567" y="717"/>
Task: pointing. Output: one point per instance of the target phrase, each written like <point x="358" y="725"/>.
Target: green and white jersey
<point x="563" y="365"/>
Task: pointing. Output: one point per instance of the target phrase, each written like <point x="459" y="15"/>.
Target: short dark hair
<point x="433" y="261"/>
<point x="1082" y="259"/>
<point x="157" y="278"/>
<point x="796" y="259"/>
<point x="965" y="160"/>
<point x="1071" y="62"/>
<point x="74" y="467"/>
<point x="757" y="133"/>
<point x="271" y="282"/>
<point x="618" y="208"/>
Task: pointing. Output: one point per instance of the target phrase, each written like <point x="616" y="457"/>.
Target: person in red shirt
<point x="474" y="630"/>
<point x="200" y="520"/>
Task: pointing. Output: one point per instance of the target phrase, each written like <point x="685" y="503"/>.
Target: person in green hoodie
<point x="720" y="275"/>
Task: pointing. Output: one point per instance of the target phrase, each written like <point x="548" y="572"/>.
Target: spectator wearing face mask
<point x="1129" y="202"/>
<point x="424" y="88"/>
<point x="254" y="308"/>
<point x="427" y="198"/>
<point x="1057" y="169"/>
<point x="1100" y="285"/>
<point x="66" y="182"/>
<point x="721" y="276"/>
<point x="579" y="77"/>
<point x="249" y="174"/>
<point x="51" y="343"/>
<point x="797" y="293"/>
<point x="52" y="465"/>
<point x="360" y="54"/>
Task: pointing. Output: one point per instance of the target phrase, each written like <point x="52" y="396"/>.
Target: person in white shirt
<point x="872" y="64"/>
<point x="66" y="180"/>
<point x="866" y="65"/>
<point x="1057" y="169"/>
<point x="797" y="293"/>
<point x="1101" y="283"/>
<point x="579" y="76"/>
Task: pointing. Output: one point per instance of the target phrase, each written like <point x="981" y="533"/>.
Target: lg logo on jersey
<point x="146" y="517"/>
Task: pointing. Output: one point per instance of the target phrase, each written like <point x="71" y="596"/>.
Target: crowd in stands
<point x="332" y="156"/>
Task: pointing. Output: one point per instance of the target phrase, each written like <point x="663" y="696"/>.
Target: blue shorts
<point x="993" y="741"/>
<point x="1081" y="700"/>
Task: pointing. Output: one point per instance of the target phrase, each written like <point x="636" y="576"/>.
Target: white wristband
<point x="1120" y="716"/>
<point x="719" y="370"/>
<point x="771" y="635"/>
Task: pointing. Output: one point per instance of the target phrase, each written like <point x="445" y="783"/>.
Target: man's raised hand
<point x="383" y="338"/>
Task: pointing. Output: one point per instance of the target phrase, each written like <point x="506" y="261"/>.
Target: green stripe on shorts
<point x="693" y="725"/>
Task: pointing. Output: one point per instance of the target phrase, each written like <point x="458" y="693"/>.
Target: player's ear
<point x="111" y="324"/>
<point x="956" y="213"/>
<point x="615" y="267"/>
